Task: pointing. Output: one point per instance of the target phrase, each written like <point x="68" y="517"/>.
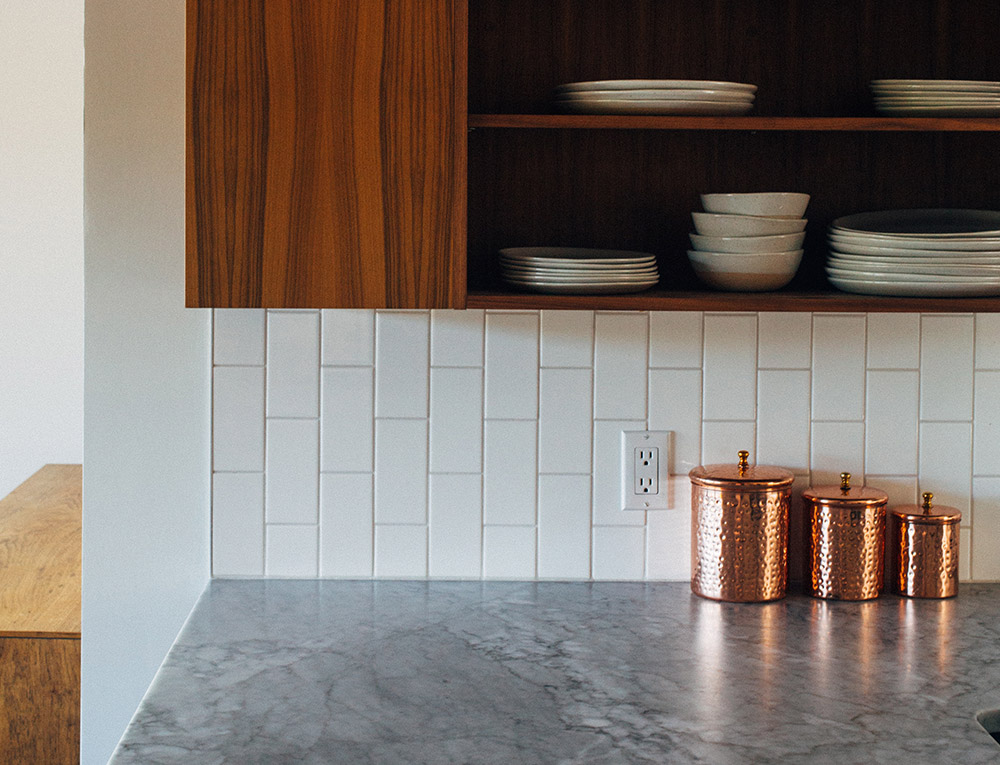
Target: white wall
<point x="41" y="236"/>
<point x="146" y="480"/>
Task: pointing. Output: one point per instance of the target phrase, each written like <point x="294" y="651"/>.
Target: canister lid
<point x="845" y="494"/>
<point x="741" y="474"/>
<point x="927" y="513"/>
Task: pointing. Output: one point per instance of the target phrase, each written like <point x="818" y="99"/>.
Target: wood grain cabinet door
<point x="326" y="153"/>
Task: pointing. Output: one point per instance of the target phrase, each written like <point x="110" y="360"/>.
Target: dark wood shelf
<point x="808" y="124"/>
<point x="664" y="300"/>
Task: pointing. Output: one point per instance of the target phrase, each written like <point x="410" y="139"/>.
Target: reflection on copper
<point x="710" y="642"/>
<point x="821" y="625"/>
<point x="867" y="645"/>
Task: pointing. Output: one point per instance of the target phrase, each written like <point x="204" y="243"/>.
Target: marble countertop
<point x="272" y="672"/>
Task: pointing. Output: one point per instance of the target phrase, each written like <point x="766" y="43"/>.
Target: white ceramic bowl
<point x="780" y="203"/>
<point x="722" y="224"/>
<point x="748" y="244"/>
<point x="743" y="273"/>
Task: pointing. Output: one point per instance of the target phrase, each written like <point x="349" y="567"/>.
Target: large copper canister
<point x="925" y="539"/>
<point x="739" y="531"/>
<point x="845" y="540"/>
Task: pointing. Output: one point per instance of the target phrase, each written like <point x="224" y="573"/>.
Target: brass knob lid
<point x="744" y="455"/>
<point x="845" y="495"/>
<point x="845" y="482"/>
<point x="927" y="501"/>
<point x="927" y="512"/>
<point x="741" y="474"/>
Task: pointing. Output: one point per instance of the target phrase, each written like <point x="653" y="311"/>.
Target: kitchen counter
<point x="271" y="672"/>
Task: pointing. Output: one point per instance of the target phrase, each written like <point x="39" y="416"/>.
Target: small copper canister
<point x="739" y="531"/>
<point x="845" y="538"/>
<point x="925" y="539"/>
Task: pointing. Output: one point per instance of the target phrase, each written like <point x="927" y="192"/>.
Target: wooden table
<point x="40" y="524"/>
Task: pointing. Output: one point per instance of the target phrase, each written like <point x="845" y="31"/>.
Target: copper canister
<point x="739" y="531"/>
<point x="925" y="539"/>
<point x="845" y="538"/>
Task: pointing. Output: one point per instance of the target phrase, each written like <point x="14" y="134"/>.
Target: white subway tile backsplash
<point x="509" y="552"/>
<point x="986" y="525"/>
<point x="457" y="338"/>
<point x="400" y="551"/>
<point x="783" y="419"/>
<point x="510" y="472"/>
<point x="607" y="502"/>
<point x="238" y="419"/>
<point x="891" y="425"/>
<point x="675" y="405"/>
<point x="730" y="371"/>
<point x="947" y="359"/>
<point x="346" y="525"/>
<point x="512" y="365"/>
<point x="720" y="442"/>
<point x="620" y="354"/>
<point x="838" y="375"/>
<point x="902" y="489"/>
<point x="784" y="340"/>
<point x="238" y="523"/>
<point x="567" y="338"/>
<point x="456" y="423"/>
<point x="346" y="426"/>
<point x="401" y="363"/>
<point x="400" y="471"/>
<point x="238" y="336"/>
<point x="456" y="526"/>
<point x="837" y="447"/>
<point x="565" y="420"/>
<point x="675" y="339"/>
<point x="893" y="341"/>
<point x="293" y="364"/>
<point x="292" y="474"/>
<point x="563" y="527"/>
<point x="964" y="554"/>
<point x="668" y="536"/>
<point x="291" y="551"/>
<point x="348" y="337"/>
<point x="986" y="447"/>
<point x="619" y="552"/>
<point x="946" y="463"/>
<point x="987" y="341"/>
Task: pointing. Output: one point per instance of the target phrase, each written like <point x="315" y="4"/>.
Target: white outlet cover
<point x="645" y="439"/>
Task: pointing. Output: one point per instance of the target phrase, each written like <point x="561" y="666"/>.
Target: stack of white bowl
<point x="577" y="271"/>
<point x="704" y="97"/>
<point x="748" y="242"/>
<point x="937" y="98"/>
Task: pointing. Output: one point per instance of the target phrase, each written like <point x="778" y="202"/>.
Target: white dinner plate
<point x="974" y="86"/>
<point x="655" y="106"/>
<point x="583" y="289"/>
<point x="969" y="110"/>
<point x="574" y="279"/>
<point x="914" y="246"/>
<point x="891" y="276"/>
<point x="543" y="271"/>
<point x="941" y="100"/>
<point x="913" y="267"/>
<point x="924" y="223"/>
<point x="914" y="289"/>
<point x="576" y="256"/>
<point x="660" y="93"/>
<point x="848" y="246"/>
<point x="657" y="85"/>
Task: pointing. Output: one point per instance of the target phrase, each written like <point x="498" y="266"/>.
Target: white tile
<point x="509" y="552"/>
<point x="291" y="551"/>
<point x="675" y="405"/>
<point x="893" y="340"/>
<point x="238" y="336"/>
<point x="238" y="524"/>
<point x="346" y="422"/>
<point x="902" y="489"/>
<point x="675" y="339"/>
<point x="619" y="553"/>
<point x="400" y="552"/>
<point x="986" y="430"/>
<point x="563" y="527"/>
<point x="607" y="500"/>
<point x="293" y="364"/>
<point x="400" y="471"/>
<point x="986" y="527"/>
<point x="837" y="447"/>
<point x="346" y="525"/>
<point x="987" y="340"/>
<point x="964" y="554"/>
<point x="238" y="418"/>
<point x="784" y="340"/>
<point x="838" y="392"/>
<point x="947" y="359"/>
<point x="620" y="344"/>
<point x="567" y="338"/>
<point x="457" y="338"/>
<point x="510" y="472"/>
<point x="946" y="463"/>
<point x="512" y="365"/>
<point x="348" y="337"/>
<point x="456" y="526"/>
<point x="292" y="475"/>
<point x="668" y="537"/>
<point x="401" y="364"/>
<point x="783" y="419"/>
<point x="456" y="420"/>
<point x="564" y="420"/>
<point x="720" y="442"/>
<point x="891" y="425"/>
<point x="730" y="372"/>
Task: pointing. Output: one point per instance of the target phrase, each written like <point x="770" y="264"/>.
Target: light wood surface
<point x="40" y="555"/>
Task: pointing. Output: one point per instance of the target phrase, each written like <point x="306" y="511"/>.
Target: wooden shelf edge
<point x="816" y="124"/>
<point x="655" y="300"/>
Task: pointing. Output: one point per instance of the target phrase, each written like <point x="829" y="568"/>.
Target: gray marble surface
<point x="272" y="672"/>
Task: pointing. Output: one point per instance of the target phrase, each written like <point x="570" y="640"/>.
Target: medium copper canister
<point x="845" y="540"/>
<point x="739" y="531"/>
<point x="925" y="540"/>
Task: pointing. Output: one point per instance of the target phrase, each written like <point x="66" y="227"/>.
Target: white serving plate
<point x="580" y="279"/>
<point x="583" y="289"/>
<point x="941" y="111"/>
<point x="925" y="257"/>
<point x="891" y="276"/>
<point x="656" y="107"/>
<point x="911" y="247"/>
<point x="661" y="93"/>
<point x="913" y="267"/>
<point x="657" y="85"/>
<point x="974" y="86"/>
<point x="542" y="271"/>
<point x="914" y="289"/>
<point x="577" y="256"/>
<point x="930" y="222"/>
<point x="936" y="102"/>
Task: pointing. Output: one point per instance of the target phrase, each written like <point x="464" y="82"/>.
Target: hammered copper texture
<point x="739" y="544"/>
<point x="846" y="552"/>
<point x="927" y="562"/>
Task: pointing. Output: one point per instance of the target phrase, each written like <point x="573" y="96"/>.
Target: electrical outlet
<point x="645" y="465"/>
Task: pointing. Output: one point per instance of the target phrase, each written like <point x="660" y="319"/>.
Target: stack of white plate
<point x="704" y="97"/>
<point x="919" y="253"/>
<point x="572" y="270"/>
<point x="942" y="98"/>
